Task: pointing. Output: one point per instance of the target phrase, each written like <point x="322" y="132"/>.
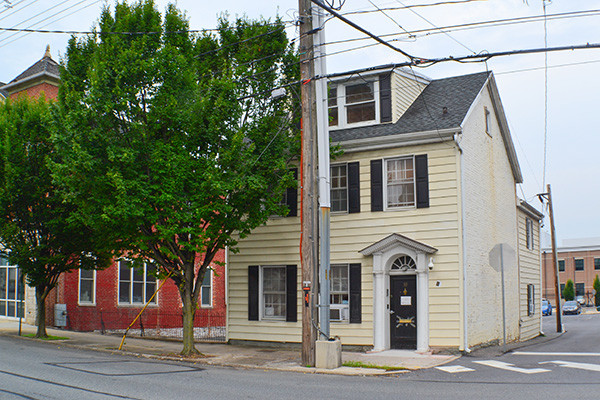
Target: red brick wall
<point x="108" y="314"/>
<point x="51" y="91"/>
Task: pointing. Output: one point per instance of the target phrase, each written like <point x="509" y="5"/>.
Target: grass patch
<point x="360" y="364"/>
<point x="50" y="337"/>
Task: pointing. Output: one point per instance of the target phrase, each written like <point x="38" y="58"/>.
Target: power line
<point x="404" y="7"/>
<point x="484" y="24"/>
<point x="441" y="30"/>
<point x="392" y="19"/>
<point x="53" y="15"/>
<point x="361" y="29"/>
<point x="52" y="22"/>
<point x="38" y="14"/>
<point x="20" y="9"/>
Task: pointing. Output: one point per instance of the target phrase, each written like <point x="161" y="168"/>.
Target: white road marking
<point x="452" y="369"/>
<point x="533" y="353"/>
<point x="510" y="367"/>
<point x="575" y="365"/>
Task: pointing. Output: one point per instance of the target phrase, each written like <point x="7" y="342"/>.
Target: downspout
<point x="227" y="293"/>
<point x="464" y="248"/>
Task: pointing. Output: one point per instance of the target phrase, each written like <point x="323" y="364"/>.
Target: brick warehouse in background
<point x="578" y="260"/>
<point x="108" y="300"/>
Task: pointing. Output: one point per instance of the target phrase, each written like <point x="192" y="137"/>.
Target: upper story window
<point x="488" y="121"/>
<point x="136" y="284"/>
<point x="400" y="182"/>
<point x="596" y="263"/>
<point x="353" y="104"/>
<point x="579" y="264"/>
<point x="87" y="286"/>
<point x="561" y="265"/>
<point x="339" y="188"/>
<point x="529" y="232"/>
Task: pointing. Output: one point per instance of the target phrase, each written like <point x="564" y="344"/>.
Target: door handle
<point x="392" y="312"/>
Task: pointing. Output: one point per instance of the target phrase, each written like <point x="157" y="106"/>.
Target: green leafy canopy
<point x="172" y="138"/>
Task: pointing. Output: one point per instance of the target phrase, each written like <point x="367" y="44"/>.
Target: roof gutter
<point x="24" y="81"/>
<point x="400" y="139"/>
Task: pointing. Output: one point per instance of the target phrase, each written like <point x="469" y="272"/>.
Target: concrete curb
<point x="214" y="361"/>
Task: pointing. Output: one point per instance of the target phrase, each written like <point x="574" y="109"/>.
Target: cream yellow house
<point x="423" y="200"/>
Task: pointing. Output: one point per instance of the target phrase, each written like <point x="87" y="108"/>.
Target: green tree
<point x="37" y="232"/>
<point x="569" y="290"/>
<point x="175" y="139"/>
<point x="596" y="286"/>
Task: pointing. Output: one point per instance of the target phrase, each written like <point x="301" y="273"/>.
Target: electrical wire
<point x="52" y="22"/>
<point x="45" y="19"/>
<point x="441" y="30"/>
<point x="38" y="14"/>
<point x="388" y="16"/>
<point x="361" y="29"/>
<point x="441" y="3"/>
<point x="20" y="9"/>
<point x="482" y="24"/>
<point x="545" y="94"/>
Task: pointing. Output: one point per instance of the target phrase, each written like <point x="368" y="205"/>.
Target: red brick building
<point x="108" y="300"/>
<point x="578" y="260"/>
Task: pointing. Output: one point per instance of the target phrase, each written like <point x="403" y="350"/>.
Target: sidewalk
<point x="236" y="356"/>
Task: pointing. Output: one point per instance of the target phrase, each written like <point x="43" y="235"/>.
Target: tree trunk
<point x="40" y="299"/>
<point x="189" y="311"/>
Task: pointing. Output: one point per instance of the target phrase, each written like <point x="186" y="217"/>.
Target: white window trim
<point x="261" y="295"/>
<point x="341" y="105"/>
<point x="210" y="305"/>
<point x="575" y="264"/>
<point x="86" y="303"/>
<point x="529" y="233"/>
<point x="385" y="185"/>
<point x="342" y="307"/>
<point x="153" y="303"/>
<point x="347" y="188"/>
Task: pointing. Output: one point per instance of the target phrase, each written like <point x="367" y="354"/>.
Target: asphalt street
<point x="566" y="367"/>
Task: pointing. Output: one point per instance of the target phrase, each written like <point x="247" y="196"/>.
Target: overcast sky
<point x="573" y="139"/>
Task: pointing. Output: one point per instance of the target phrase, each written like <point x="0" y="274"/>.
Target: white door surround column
<point x="384" y="253"/>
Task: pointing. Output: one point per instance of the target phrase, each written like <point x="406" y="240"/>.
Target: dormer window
<point x="353" y="104"/>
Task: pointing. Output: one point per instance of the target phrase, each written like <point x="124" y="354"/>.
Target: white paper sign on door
<point x="405" y="300"/>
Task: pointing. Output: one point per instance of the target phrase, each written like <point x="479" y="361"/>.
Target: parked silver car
<point x="571" y="307"/>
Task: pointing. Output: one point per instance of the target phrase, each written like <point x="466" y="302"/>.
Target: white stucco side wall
<point x="489" y="210"/>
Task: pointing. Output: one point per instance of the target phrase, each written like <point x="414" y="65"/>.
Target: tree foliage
<point x="174" y="139"/>
<point x="569" y="291"/>
<point x="37" y="231"/>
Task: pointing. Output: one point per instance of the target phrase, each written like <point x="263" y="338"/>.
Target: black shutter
<point x="253" y="293"/>
<point x="376" y="185"/>
<point x="422" y="181"/>
<point x="291" y="294"/>
<point x="353" y="187"/>
<point x="385" y="97"/>
<point x="291" y="195"/>
<point x="355" y="294"/>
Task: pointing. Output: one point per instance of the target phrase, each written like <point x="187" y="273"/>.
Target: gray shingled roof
<point x="46" y="64"/>
<point x="426" y="113"/>
<point x="3" y="93"/>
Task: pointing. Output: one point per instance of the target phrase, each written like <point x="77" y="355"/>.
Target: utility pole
<point x="548" y="196"/>
<point x="324" y="173"/>
<point x="309" y="213"/>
